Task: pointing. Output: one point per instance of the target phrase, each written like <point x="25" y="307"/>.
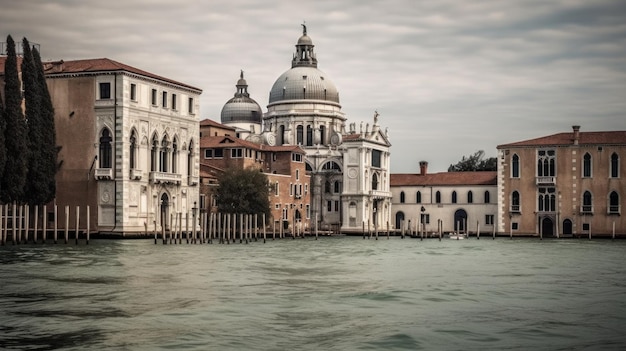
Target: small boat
<point x="457" y="236"/>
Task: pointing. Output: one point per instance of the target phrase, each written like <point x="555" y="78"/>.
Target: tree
<point x="41" y="184"/>
<point x="14" y="177"/>
<point x="3" y="151"/>
<point x="474" y="163"/>
<point x="243" y="191"/>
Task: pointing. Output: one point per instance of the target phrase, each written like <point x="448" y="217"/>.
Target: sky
<point x="448" y="77"/>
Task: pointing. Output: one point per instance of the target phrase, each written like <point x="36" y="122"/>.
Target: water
<point x="340" y="293"/>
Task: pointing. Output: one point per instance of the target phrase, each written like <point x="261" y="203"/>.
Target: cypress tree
<point x="14" y="177"/>
<point x="49" y="150"/>
<point x="35" y="175"/>
<point x="3" y="151"/>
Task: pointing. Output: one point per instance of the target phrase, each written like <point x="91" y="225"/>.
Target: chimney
<point x="423" y="167"/>
<point x="576" y="134"/>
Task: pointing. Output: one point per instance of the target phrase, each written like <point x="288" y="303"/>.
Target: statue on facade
<point x="376" y="117"/>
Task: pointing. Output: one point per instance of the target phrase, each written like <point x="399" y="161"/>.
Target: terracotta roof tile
<point x="212" y="123"/>
<point x="585" y="138"/>
<point x="230" y="141"/>
<point x="444" y="178"/>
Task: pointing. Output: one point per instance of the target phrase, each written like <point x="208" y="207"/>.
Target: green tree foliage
<point x="243" y="191"/>
<point x="40" y="185"/>
<point x="474" y="163"/>
<point x="14" y="177"/>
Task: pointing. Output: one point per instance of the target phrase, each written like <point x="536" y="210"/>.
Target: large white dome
<point x="303" y="83"/>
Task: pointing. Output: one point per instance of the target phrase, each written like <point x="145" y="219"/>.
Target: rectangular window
<point x="306" y="188"/>
<point x="164" y="99"/>
<point x="105" y="91"/>
<point x="277" y="206"/>
<point x="296" y="157"/>
<point x="489" y="219"/>
<point x="329" y="206"/>
<point x="208" y="153"/>
<point x="514" y="225"/>
<point x="290" y="189"/>
<point x="308" y="211"/>
<point x="218" y="153"/>
<point x="190" y="107"/>
<point x="425" y="218"/>
<point x="153" y="98"/>
<point x="336" y="206"/>
<point x="586" y="226"/>
<point x="297" y="174"/>
<point x="133" y="92"/>
<point x="276" y="187"/>
<point x="174" y="100"/>
<point x="376" y="158"/>
<point x="236" y="153"/>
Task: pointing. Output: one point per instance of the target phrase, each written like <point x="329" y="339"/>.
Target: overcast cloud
<point x="448" y="77"/>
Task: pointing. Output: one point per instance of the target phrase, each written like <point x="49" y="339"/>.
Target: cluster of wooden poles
<point x="15" y="220"/>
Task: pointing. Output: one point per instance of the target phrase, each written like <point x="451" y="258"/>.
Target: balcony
<point x="135" y="174"/>
<point x="100" y="103"/>
<point x="586" y="209"/>
<point x="515" y="209"/>
<point x="546" y="180"/>
<point x="380" y="194"/>
<point x="192" y="180"/>
<point x="104" y="173"/>
<point x="614" y="210"/>
<point x="165" y="178"/>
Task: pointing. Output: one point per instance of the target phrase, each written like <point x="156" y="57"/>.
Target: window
<point x="133" y="92"/>
<point x="133" y="150"/>
<point x="308" y="211"/>
<point x="546" y="163"/>
<point x="153" y="97"/>
<point x="174" y="101"/>
<point x="438" y="197"/>
<point x="470" y="197"/>
<point x="218" y="153"/>
<point x="454" y="197"/>
<point x="514" y="225"/>
<point x="163" y="154"/>
<point x="586" y="226"/>
<point x="236" y="153"/>
<point x="515" y="166"/>
<point x="376" y="158"/>
<point x="277" y="206"/>
<point x="175" y="156"/>
<point x="374" y="181"/>
<point x="153" y="154"/>
<point x="105" y="91"/>
<point x="587" y="166"/>
<point x="322" y="135"/>
<point x="515" y="202"/>
<point x="489" y="219"/>
<point x="208" y="153"/>
<point x="614" y="203"/>
<point x="294" y="157"/>
<point x="329" y="206"/>
<point x="276" y="189"/>
<point x="337" y="187"/>
<point x="299" y="134"/>
<point x="309" y="135"/>
<point x="331" y="166"/>
<point x="402" y="197"/>
<point x="290" y="189"/>
<point x="327" y="187"/>
<point x="164" y="99"/>
<point x="418" y="197"/>
<point x="336" y="206"/>
<point x="487" y="197"/>
<point x="190" y="158"/>
<point x="297" y="174"/>
<point x="425" y="218"/>
<point x="547" y="199"/>
<point x="614" y="165"/>
<point x="587" y="202"/>
<point x="105" y="156"/>
<point x="190" y="107"/>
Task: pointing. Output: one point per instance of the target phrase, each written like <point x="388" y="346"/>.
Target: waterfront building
<point x="128" y="145"/>
<point x="565" y="184"/>
<point x="446" y="201"/>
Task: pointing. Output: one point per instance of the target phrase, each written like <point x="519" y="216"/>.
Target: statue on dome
<point x="304" y="28"/>
<point x="241" y="74"/>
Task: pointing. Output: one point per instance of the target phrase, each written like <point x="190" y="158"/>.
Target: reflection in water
<point x="334" y="293"/>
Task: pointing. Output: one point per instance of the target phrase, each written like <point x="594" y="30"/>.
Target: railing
<point x="103" y="173"/>
<point x="515" y="209"/>
<point x="586" y="209"/>
<point x="380" y="193"/>
<point x="546" y="180"/>
<point x="105" y="103"/>
<point x="135" y="174"/>
<point x="192" y="180"/>
<point x="614" y="209"/>
<point x="163" y="177"/>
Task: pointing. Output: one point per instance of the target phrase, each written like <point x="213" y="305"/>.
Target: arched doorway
<point x="460" y="220"/>
<point x="399" y="219"/>
<point x="567" y="227"/>
<point x="165" y="202"/>
<point x="547" y="227"/>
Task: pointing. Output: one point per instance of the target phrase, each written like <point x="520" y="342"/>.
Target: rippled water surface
<point x="338" y="293"/>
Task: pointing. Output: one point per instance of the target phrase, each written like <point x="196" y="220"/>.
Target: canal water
<point x="336" y="293"/>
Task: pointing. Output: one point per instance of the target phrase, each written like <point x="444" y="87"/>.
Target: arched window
<point x="309" y="135"/>
<point x="614" y="202"/>
<point x="175" y="156"/>
<point x="402" y="197"/>
<point x="163" y="154"/>
<point x="587" y="202"/>
<point x="331" y="166"/>
<point x="515" y="202"/>
<point x="190" y="161"/>
<point x="322" y="135"/>
<point x="281" y="134"/>
<point x="154" y="160"/>
<point x="418" y="197"/>
<point x="454" y="197"/>
<point x="487" y="197"/>
<point x="515" y="166"/>
<point x="327" y="187"/>
<point x="374" y="181"/>
<point x="470" y="197"/>
<point x="106" y="153"/>
<point x="587" y="165"/>
<point x="299" y="134"/>
<point x="614" y="165"/>
<point x="133" y="150"/>
<point x="438" y="197"/>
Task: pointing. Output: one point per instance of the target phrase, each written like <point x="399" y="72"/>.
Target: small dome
<point x="241" y="108"/>
<point x="305" y="40"/>
<point x="304" y="83"/>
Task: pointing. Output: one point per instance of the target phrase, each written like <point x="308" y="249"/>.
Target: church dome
<point x="304" y="81"/>
<point x="241" y="108"/>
